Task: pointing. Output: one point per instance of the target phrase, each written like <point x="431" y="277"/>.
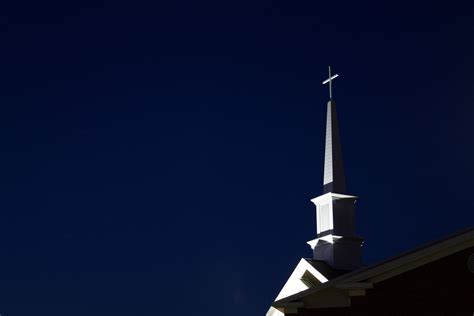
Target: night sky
<point x="159" y="159"/>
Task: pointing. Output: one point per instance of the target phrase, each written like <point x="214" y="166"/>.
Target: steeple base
<point x="341" y="253"/>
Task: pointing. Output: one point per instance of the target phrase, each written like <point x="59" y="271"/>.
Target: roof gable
<point x="306" y="275"/>
<point x="295" y="284"/>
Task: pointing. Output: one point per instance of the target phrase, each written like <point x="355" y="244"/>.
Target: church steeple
<point x="336" y="242"/>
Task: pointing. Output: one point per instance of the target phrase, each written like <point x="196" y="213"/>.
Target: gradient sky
<point x="159" y="159"/>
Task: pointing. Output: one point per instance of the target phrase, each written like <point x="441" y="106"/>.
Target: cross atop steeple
<point x="329" y="79"/>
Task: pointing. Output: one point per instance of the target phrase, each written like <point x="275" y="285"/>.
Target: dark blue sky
<point x="159" y="159"/>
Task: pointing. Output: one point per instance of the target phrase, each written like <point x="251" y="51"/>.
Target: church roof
<point x="325" y="269"/>
<point x="365" y="277"/>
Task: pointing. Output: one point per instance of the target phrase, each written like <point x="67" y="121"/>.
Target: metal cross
<point x="330" y="82"/>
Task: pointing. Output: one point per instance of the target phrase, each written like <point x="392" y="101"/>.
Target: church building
<point x="435" y="279"/>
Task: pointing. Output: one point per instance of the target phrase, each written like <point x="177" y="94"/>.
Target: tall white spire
<point x="336" y="242"/>
<point x="334" y="179"/>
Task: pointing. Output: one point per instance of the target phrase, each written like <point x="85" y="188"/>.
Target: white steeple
<point x="336" y="242"/>
<point x="334" y="179"/>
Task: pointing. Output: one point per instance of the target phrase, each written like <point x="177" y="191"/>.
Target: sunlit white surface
<point x="328" y="172"/>
<point x="331" y="78"/>
<point x="295" y="284"/>
<point x="324" y="210"/>
<point x="274" y="312"/>
<point x="328" y="238"/>
<point x="331" y="196"/>
<point x="324" y="220"/>
<point x="324" y="216"/>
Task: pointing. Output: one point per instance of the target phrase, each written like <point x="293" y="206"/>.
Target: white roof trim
<point x="294" y="284"/>
<point x="332" y="196"/>
<point x="328" y="238"/>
